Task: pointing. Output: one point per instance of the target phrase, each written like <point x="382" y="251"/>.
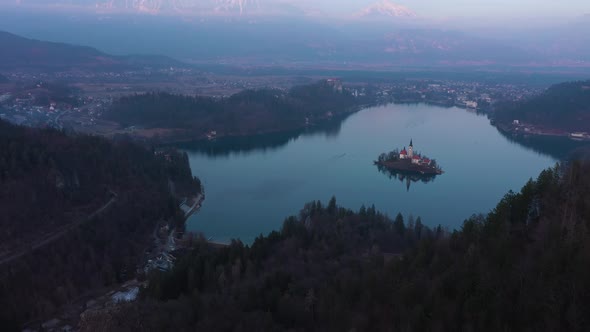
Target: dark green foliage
<point x="390" y="156"/>
<point x="523" y="267"/>
<point x="398" y="224"/>
<point x="247" y="112"/>
<point x="49" y="184"/>
<point x="291" y="278"/>
<point x="563" y="106"/>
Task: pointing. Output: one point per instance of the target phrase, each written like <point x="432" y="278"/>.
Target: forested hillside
<point x="77" y="214"/>
<point x="525" y="266"/>
<point x="245" y="113"/>
<point x="563" y="106"/>
<point x="24" y="53"/>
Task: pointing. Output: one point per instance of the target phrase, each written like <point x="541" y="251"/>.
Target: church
<point x="415" y="158"/>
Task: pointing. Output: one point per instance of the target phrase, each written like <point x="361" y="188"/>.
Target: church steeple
<point x="411" y="144"/>
<point x="411" y="150"/>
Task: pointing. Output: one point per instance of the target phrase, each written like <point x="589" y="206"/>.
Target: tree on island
<point x="390" y="156"/>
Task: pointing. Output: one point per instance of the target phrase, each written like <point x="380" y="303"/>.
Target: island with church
<point x="409" y="162"/>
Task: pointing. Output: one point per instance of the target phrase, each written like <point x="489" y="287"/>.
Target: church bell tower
<point x="411" y="150"/>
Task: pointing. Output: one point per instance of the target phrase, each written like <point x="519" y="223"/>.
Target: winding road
<point x="8" y="257"/>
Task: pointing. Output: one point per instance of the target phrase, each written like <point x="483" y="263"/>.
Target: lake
<point x="252" y="185"/>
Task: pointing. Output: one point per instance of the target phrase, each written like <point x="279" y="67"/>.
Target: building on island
<point x="414" y="158"/>
<point x="407" y="154"/>
<point x="403" y="154"/>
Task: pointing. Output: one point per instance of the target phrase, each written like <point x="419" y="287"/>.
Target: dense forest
<point x="245" y="113"/>
<point x="77" y="214"/>
<point x="563" y="106"/>
<point x="525" y="266"/>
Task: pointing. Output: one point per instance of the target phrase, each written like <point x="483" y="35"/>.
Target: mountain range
<point x="182" y="7"/>
<point x="260" y="44"/>
<point x="386" y="8"/>
<point x="383" y="8"/>
<point x="398" y="39"/>
<point x="20" y="52"/>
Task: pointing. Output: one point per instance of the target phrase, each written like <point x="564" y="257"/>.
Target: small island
<point x="406" y="161"/>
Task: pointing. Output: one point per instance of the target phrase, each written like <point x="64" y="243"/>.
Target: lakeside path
<point x="190" y="210"/>
<point x="527" y="129"/>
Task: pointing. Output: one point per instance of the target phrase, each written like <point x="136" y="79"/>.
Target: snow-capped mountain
<point x="188" y="7"/>
<point x="151" y="6"/>
<point x="386" y="8"/>
<point x="239" y="6"/>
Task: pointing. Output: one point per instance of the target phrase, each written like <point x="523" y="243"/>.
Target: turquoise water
<point x="251" y="191"/>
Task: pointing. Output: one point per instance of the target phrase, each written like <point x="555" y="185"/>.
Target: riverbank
<point x="527" y="129"/>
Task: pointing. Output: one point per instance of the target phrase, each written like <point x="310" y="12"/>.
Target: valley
<point x="241" y="165"/>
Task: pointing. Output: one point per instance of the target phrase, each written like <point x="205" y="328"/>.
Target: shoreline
<point x="531" y="130"/>
<point x="184" y="136"/>
<point x="190" y="210"/>
<point x="203" y="138"/>
<point x="408" y="167"/>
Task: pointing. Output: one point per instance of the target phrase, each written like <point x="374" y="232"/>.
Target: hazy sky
<point x="436" y="8"/>
<point x="425" y="8"/>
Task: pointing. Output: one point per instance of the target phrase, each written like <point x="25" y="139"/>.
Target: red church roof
<point x="404" y="152"/>
<point x="416" y="157"/>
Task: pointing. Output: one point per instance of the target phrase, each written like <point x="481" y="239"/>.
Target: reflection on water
<point x="261" y="143"/>
<point x="560" y="148"/>
<point x="253" y="184"/>
<point x="556" y="147"/>
<point x="406" y="177"/>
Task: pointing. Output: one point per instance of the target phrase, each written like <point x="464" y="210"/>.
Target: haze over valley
<point x="281" y="165"/>
<point x="382" y="35"/>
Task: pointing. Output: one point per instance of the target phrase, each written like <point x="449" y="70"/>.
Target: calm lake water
<point x="250" y="190"/>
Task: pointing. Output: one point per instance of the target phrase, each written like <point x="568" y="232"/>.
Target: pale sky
<point x="425" y="8"/>
<point x="466" y="8"/>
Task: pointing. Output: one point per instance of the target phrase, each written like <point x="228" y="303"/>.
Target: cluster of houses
<point x="415" y="158"/>
<point x="336" y="84"/>
<point x="163" y="262"/>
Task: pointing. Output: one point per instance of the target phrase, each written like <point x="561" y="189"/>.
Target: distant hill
<point x="382" y="34"/>
<point x="20" y="52"/>
<point x="379" y="42"/>
<point x="247" y="113"/>
<point x="564" y="106"/>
